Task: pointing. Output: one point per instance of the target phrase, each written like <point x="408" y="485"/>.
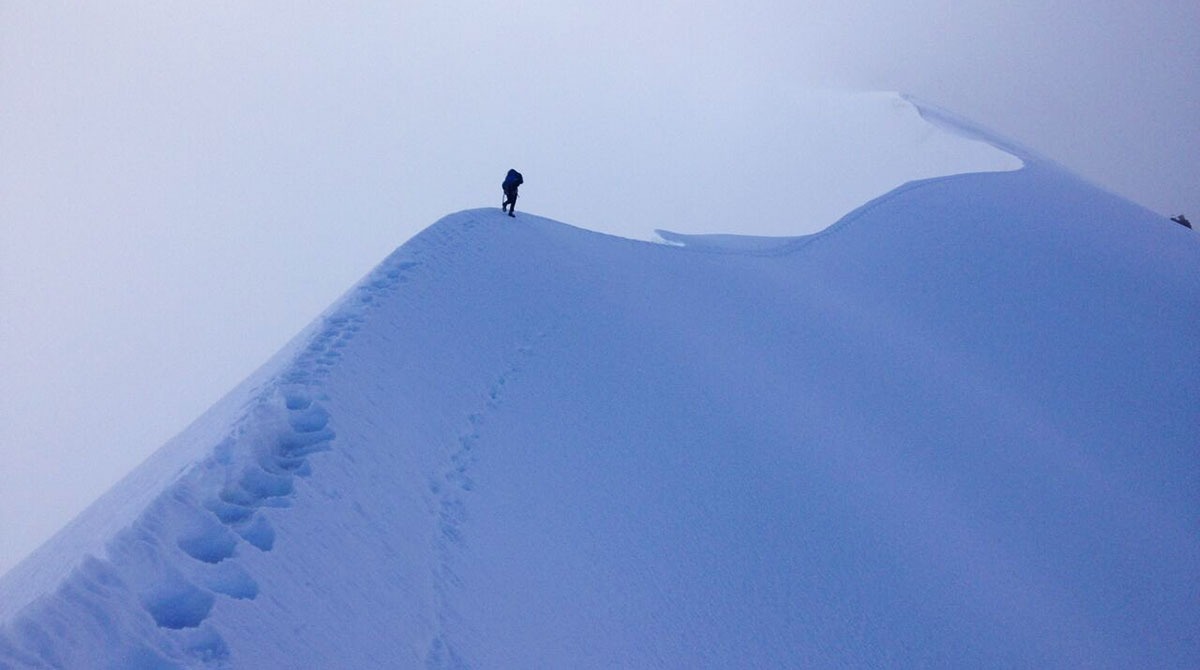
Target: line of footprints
<point x="449" y="491"/>
<point x="254" y="470"/>
<point x="182" y="550"/>
<point x="235" y="515"/>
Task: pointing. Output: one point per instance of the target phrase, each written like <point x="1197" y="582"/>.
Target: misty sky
<point x="183" y="186"/>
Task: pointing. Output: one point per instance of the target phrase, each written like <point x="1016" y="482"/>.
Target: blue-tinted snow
<point x="956" y="429"/>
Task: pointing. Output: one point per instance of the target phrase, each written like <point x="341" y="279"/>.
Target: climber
<point x="511" y="182"/>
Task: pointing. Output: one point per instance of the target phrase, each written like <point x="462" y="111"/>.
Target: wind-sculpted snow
<point x="956" y="429"/>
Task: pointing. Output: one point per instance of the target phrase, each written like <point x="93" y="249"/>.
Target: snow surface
<point x="177" y="234"/>
<point x="956" y="429"/>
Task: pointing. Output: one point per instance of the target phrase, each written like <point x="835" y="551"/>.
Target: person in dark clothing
<point x="1182" y="220"/>
<point x="511" y="182"/>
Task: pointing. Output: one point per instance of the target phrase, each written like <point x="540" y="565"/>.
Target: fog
<point x="183" y="187"/>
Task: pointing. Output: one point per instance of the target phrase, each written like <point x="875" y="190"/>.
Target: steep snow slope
<point x="956" y="429"/>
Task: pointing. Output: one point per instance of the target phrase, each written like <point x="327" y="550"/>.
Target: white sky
<point x="183" y="186"/>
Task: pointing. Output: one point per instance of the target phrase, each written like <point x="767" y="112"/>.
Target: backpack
<point x="512" y="181"/>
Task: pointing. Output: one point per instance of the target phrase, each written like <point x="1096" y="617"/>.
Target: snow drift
<point x="956" y="429"/>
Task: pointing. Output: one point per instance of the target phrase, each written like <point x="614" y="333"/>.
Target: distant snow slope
<point x="956" y="429"/>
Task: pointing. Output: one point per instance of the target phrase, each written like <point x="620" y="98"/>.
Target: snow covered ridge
<point x="951" y="145"/>
<point x="167" y="568"/>
<point x="807" y="159"/>
<point x="956" y="429"/>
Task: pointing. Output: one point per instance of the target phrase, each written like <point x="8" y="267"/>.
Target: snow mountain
<point x="958" y="428"/>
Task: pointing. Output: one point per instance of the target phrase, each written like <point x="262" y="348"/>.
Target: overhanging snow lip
<point x="955" y="124"/>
